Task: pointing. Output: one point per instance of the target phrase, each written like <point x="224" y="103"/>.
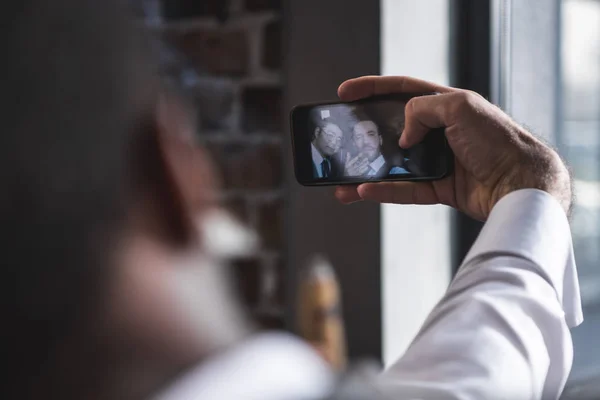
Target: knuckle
<point x="411" y="112"/>
<point x="410" y="108"/>
<point x="401" y="83"/>
<point x="463" y="102"/>
<point x="476" y="96"/>
<point x="466" y="99"/>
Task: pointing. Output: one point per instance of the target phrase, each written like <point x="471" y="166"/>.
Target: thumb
<point x="423" y="114"/>
<point x="347" y="158"/>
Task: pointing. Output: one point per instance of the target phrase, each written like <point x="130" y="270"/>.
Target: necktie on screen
<point x="326" y="168"/>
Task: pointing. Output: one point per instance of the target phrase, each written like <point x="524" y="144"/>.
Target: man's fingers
<point x="355" y="160"/>
<point x="423" y="114"/>
<point x="389" y="192"/>
<point x="399" y="192"/>
<point x="366" y="86"/>
<point x="355" y="163"/>
<point x="347" y="194"/>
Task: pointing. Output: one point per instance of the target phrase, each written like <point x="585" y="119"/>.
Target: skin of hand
<point x="494" y="156"/>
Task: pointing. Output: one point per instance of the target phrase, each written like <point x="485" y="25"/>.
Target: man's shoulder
<point x="272" y="366"/>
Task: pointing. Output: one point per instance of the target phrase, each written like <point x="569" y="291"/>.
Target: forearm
<point x="480" y="344"/>
<point x="500" y="331"/>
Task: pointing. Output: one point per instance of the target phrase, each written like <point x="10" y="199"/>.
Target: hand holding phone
<point x="355" y="142"/>
<point x="494" y="155"/>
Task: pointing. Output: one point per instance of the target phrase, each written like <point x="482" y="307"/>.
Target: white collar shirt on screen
<point x="376" y="165"/>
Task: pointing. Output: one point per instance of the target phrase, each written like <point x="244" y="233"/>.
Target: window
<point x="579" y="142"/>
<point x="416" y="249"/>
<point x="542" y="66"/>
<point x="547" y="69"/>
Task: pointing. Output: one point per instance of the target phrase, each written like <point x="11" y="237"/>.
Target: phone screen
<point x="349" y="143"/>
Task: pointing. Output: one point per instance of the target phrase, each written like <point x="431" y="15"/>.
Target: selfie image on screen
<point x="348" y="143"/>
<point x="359" y="141"/>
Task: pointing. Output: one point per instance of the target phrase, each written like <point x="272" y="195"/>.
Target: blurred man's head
<point x="328" y="138"/>
<point x="367" y="138"/>
<point x="102" y="206"/>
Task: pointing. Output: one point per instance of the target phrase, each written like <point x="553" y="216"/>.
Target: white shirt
<point x="500" y="332"/>
<point x="272" y="366"/>
<point x="376" y="165"/>
<point x="379" y="162"/>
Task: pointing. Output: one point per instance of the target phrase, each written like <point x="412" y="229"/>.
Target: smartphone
<point x="357" y="142"/>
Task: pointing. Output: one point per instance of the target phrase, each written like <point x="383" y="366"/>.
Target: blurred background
<point x="578" y="140"/>
<point x="245" y="63"/>
<point x="226" y="58"/>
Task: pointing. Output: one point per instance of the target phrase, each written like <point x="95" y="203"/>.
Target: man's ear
<point x="317" y="132"/>
<point x="190" y="165"/>
<point x="173" y="177"/>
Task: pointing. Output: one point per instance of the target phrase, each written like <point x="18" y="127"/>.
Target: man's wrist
<point x="531" y="224"/>
<point x="547" y="173"/>
<point x="555" y="179"/>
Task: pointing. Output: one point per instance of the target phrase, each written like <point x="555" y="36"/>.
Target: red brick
<point x="213" y="51"/>
<point x="272" y="57"/>
<point x="248" y="167"/>
<point x="262" y="109"/>
<point x="263" y="5"/>
<point x="270" y="224"/>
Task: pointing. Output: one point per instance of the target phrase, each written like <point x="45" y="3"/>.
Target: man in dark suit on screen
<point x="325" y="146"/>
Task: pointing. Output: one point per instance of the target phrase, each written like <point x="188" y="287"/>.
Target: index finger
<point x="367" y="86"/>
<point x="425" y="113"/>
<point x="347" y="194"/>
<point x="355" y="160"/>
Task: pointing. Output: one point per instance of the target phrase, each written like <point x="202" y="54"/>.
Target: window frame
<point x="528" y="91"/>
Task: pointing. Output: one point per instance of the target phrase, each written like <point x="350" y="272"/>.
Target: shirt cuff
<point x="531" y="224"/>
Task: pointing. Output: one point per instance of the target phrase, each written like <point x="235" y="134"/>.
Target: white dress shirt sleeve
<point x="502" y="329"/>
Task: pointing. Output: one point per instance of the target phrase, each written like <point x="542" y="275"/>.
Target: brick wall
<point x="227" y="56"/>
